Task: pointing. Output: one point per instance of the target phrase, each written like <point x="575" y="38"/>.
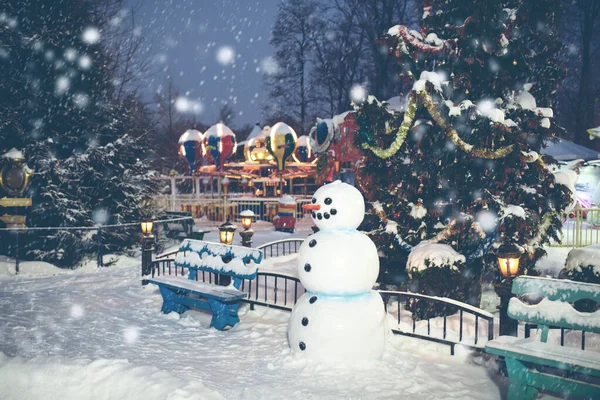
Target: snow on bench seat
<point x="530" y="362"/>
<point x="223" y="292"/>
<point x="180" y="294"/>
<point x="556" y="356"/>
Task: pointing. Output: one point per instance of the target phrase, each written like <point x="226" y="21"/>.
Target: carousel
<point x="273" y="161"/>
<point x="226" y="177"/>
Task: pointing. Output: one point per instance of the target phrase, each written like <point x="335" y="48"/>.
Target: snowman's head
<point x="337" y="205"/>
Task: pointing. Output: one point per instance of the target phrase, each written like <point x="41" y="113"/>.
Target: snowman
<point x="339" y="317"/>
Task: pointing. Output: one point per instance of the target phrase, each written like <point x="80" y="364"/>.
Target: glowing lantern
<point x="220" y="143"/>
<point x="281" y="143"/>
<point x="509" y="256"/>
<point x="226" y="232"/>
<point x="190" y="146"/>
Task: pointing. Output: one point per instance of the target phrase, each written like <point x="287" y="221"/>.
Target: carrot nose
<point x="311" y="207"/>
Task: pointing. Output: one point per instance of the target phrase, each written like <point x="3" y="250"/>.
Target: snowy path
<point x="71" y="333"/>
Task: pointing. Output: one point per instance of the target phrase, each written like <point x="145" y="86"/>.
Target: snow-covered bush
<point x="435" y="269"/>
<point x="583" y="265"/>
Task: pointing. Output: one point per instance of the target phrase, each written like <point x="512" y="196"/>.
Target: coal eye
<point x="314" y="200"/>
<point x="327" y="201"/>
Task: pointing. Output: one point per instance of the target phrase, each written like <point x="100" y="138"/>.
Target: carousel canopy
<point x="191" y="134"/>
<point x="219" y="130"/>
<point x="565" y="150"/>
<point x="255" y="132"/>
<point x="303" y="140"/>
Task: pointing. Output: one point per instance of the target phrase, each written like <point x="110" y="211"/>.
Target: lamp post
<point x="247" y="234"/>
<point x="14" y="180"/>
<point x="225" y="182"/>
<point x="147" y="242"/>
<point x="509" y="256"/>
<point x="226" y="232"/>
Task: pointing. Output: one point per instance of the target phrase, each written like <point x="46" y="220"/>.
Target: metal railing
<point x="270" y="289"/>
<point x="469" y="327"/>
<point x="563" y="333"/>
<point x="582" y="228"/>
<point x="215" y="210"/>
<point x="280" y="248"/>
<point x="423" y="329"/>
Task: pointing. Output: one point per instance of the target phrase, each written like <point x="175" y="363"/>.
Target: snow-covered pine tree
<point x="58" y="105"/>
<point x="461" y="165"/>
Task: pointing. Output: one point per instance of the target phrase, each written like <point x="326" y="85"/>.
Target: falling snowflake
<point x="70" y="54"/>
<point x="100" y="216"/>
<point x="85" y="62"/>
<point x="358" y="94"/>
<point x="91" y="35"/>
<point x="185" y="105"/>
<point x="487" y="220"/>
<point x="225" y="55"/>
<point x="269" y="66"/>
<point x="76" y="311"/>
<point x="81" y="100"/>
<point x="131" y="334"/>
<point x="62" y="85"/>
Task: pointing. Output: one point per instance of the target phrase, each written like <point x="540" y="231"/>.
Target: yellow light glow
<point x="247" y="222"/>
<point x="147" y="227"/>
<point x="509" y="267"/>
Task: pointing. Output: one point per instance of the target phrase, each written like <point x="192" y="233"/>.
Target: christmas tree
<point x="461" y="164"/>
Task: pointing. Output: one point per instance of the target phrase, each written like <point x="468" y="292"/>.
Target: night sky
<point x="215" y="51"/>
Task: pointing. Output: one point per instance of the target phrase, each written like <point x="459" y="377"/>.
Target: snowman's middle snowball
<point x="340" y="263"/>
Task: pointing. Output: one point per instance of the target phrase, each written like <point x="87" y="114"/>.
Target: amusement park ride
<point x="270" y="163"/>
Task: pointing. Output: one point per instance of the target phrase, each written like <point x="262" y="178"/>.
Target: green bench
<point x="536" y="365"/>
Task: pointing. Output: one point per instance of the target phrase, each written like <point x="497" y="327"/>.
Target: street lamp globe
<point x="226" y="232"/>
<point x="509" y="256"/>
<point x="146" y="226"/>
<point x="247" y="216"/>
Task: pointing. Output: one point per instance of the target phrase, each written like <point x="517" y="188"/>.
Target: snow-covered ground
<point x="97" y="334"/>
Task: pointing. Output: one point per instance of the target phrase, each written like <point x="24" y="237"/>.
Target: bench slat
<point x="554" y="313"/>
<point x="556" y="289"/>
<point x="224" y="293"/>
<point x="534" y="351"/>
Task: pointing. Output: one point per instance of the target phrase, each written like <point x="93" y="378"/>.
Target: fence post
<point x="99" y="261"/>
<point x="17" y="254"/>
<point x="173" y="193"/>
<point x="147" y="242"/>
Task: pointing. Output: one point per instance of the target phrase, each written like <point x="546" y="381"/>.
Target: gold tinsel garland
<point x="422" y="97"/>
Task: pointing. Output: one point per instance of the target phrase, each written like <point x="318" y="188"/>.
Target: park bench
<point x="194" y="290"/>
<point x="535" y="365"/>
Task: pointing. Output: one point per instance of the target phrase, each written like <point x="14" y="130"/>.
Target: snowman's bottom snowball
<point x="338" y="328"/>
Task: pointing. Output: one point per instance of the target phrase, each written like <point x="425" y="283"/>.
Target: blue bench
<point x="180" y="293"/>
<point x="535" y="365"/>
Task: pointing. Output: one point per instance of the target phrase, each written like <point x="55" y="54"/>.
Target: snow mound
<point x="426" y="76"/>
<point x="515" y="210"/>
<point x="58" y="378"/>
<point x="583" y="257"/>
<point x="436" y="254"/>
<point x="526" y="101"/>
<point x="40" y="268"/>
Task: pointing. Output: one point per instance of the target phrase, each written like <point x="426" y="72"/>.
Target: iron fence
<point x="582" y="228"/>
<point x="281" y="247"/>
